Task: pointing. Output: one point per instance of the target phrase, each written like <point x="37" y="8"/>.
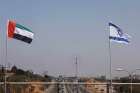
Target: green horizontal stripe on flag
<point x="22" y="27"/>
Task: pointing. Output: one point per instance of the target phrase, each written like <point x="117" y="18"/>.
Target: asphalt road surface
<point x="66" y="88"/>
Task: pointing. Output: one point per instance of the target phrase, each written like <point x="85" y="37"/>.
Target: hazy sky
<point x="68" y="28"/>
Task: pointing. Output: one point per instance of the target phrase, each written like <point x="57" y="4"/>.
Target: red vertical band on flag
<point x="11" y="28"/>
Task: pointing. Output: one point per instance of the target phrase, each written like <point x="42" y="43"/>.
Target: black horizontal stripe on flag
<point x="22" y="38"/>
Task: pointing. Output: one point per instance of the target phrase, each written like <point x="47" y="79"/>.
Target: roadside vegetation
<point x="19" y="75"/>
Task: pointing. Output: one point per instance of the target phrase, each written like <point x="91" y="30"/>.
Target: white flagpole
<point x="5" y="78"/>
<point x="110" y="62"/>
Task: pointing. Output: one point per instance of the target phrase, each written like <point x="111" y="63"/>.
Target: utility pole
<point x="76" y="74"/>
<point x="76" y="67"/>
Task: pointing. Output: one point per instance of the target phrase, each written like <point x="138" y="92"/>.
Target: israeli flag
<point x="116" y="34"/>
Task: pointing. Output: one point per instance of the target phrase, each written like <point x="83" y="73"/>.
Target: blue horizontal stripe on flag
<point x="118" y="39"/>
<point x="110" y="24"/>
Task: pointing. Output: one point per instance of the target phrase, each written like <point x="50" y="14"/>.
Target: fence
<point x="66" y="87"/>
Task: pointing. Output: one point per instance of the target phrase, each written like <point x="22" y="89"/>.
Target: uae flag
<point x="19" y="32"/>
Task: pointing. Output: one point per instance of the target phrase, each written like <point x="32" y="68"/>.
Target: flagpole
<point x="110" y="62"/>
<point x="5" y="78"/>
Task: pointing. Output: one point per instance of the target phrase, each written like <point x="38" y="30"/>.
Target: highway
<point x="66" y="88"/>
<point x="52" y="89"/>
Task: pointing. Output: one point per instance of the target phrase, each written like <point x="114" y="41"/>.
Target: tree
<point x="14" y="69"/>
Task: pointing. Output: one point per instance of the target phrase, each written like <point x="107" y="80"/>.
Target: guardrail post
<point x="107" y="87"/>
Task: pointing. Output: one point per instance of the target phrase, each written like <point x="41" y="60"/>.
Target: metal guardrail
<point x="61" y="87"/>
<point x="1" y="83"/>
<point x="71" y="83"/>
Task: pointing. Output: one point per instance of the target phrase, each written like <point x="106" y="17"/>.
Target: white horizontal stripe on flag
<point x="24" y="33"/>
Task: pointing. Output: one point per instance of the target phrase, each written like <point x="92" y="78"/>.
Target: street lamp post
<point x="130" y="74"/>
